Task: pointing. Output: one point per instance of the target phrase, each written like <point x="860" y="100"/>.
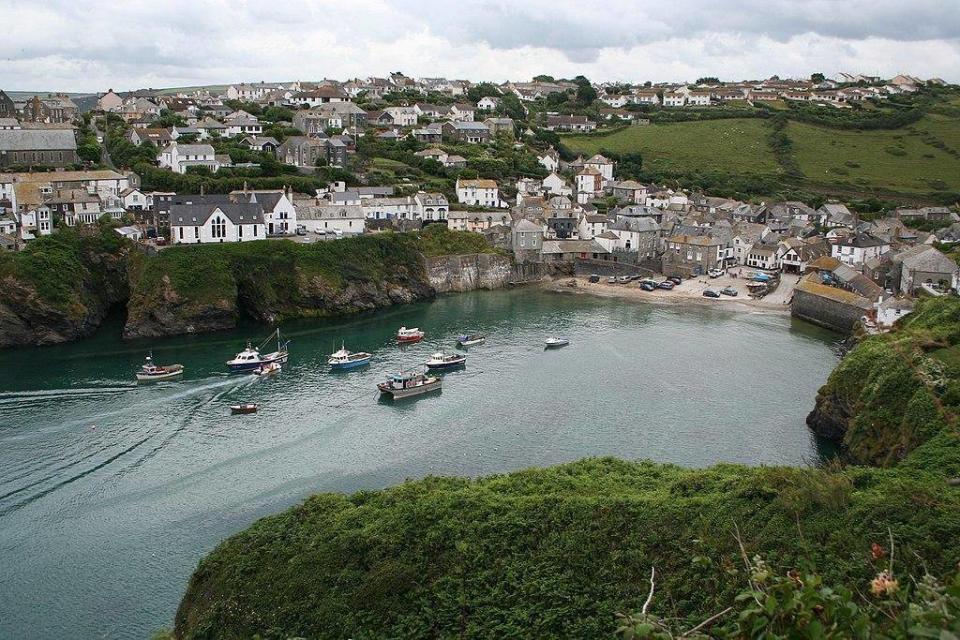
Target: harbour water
<point x="110" y="493"/>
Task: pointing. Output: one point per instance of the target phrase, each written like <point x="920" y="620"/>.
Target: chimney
<point x="201" y="189"/>
<point x="244" y="186"/>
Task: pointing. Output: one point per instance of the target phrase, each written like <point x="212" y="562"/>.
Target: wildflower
<point x="877" y="552"/>
<point x="884" y="584"/>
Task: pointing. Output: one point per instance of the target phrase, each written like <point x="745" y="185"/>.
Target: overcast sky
<point x="92" y="45"/>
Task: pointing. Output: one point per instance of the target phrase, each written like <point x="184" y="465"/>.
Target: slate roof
<point x="37" y="139"/>
<point x="196" y="214"/>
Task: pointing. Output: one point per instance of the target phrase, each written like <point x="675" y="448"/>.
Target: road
<point x="104" y="156"/>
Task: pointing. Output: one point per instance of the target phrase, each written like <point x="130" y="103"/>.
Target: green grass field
<point x="735" y="146"/>
<point x="898" y="159"/>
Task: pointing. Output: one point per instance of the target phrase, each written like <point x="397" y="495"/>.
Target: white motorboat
<point x="150" y="372"/>
<point x="555" y="341"/>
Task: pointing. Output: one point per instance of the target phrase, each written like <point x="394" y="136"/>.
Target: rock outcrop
<point x="95" y="283"/>
<point x="450" y="274"/>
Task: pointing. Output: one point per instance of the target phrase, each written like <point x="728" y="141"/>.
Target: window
<point x="254" y="230"/>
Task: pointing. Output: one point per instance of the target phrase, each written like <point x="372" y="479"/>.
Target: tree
<point x="482" y="90"/>
<point x="708" y="80"/>
<point x="511" y="106"/>
<point x="89" y="152"/>
<point x="586" y="94"/>
<point x="543" y="78"/>
<point x="817" y="77"/>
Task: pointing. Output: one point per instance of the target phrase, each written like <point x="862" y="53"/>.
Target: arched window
<point x="219" y="227"/>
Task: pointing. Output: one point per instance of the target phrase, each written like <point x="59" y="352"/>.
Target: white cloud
<point x="93" y="45"/>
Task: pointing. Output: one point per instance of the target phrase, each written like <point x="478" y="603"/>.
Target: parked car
<point x="612" y="280"/>
<point x="301" y="230"/>
<point x="711" y="293"/>
<point x="646" y="285"/>
<point x="667" y="284"/>
<point x="715" y="273"/>
<point x="623" y="279"/>
<point x="675" y="279"/>
<point x="594" y="277"/>
<point x="729" y="291"/>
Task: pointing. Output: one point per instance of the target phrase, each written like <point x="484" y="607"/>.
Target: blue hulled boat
<point x="343" y="360"/>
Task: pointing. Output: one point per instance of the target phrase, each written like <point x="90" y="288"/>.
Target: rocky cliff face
<point x="27" y="318"/>
<point x="450" y="274"/>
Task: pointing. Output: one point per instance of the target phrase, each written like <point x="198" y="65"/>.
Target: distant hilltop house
<point x="570" y="123"/>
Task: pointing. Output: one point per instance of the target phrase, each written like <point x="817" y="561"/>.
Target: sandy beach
<point x="687" y="292"/>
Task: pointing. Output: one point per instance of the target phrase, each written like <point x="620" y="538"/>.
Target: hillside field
<point x="735" y="146"/>
<point x="899" y="159"/>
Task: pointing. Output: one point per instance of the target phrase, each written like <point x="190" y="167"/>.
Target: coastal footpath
<point x="61" y="287"/>
<point x="736" y="551"/>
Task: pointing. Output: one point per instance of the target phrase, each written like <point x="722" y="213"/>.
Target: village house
<point x="796" y="253"/>
<point x="590" y="225"/>
<point x="570" y="123"/>
<point x="488" y="103"/>
<point x="638" y="235"/>
<point x="556" y="185"/>
<point x="109" y="101"/>
<point x="589" y="183"/>
<point x="469" y="132"/>
<point x="476" y="221"/>
<point x="212" y="223"/>
<point x="526" y="239"/>
<point x="332" y="219"/>
<point x="925" y="265"/>
<point x="686" y="255"/>
<point x="279" y="212"/>
<point x="857" y="248"/>
<point x="160" y="137"/>
<point x="178" y="158"/>
<point x="500" y="125"/>
<point x="242" y="124"/>
<point x="629" y="191"/>
<point x="320" y="95"/>
<point x="478" y="193"/>
<point x="550" y="160"/>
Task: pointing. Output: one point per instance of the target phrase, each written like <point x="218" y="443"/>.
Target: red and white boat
<point x="409" y="336"/>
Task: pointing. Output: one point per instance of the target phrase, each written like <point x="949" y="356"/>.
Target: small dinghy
<point x="151" y="372"/>
<point x="554" y="342"/>
<point x="267" y="369"/>
<point x="246" y="407"/>
<point x="408" y="384"/>
<point x="469" y="340"/>
<point x="409" y="336"/>
<point x="344" y="360"/>
<point x="444" y="361"/>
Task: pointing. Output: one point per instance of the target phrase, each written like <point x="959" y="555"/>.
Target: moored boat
<point x="343" y="360"/>
<point x="441" y="360"/>
<point x="268" y="369"/>
<point x="408" y="384"/>
<point x="469" y="340"/>
<point x="150" y="372"/>
<point x="251" y="358"/>
<point x="555" y="341"/>
<point x="409" y="336"/>
<point x="245" y="407"/>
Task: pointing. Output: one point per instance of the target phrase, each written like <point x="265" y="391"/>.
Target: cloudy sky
<point x="90" y="45"/>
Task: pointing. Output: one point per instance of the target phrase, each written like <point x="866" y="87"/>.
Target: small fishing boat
<point x="246" y="407"/>
<point x="251" y="358"/>
<point x="343" y="360"/>
<point x="268" y="369"/>
<point x="408" y="384"/>
<point x="468" y="340"/>
<point x="553" y="342"/>
<point x="441" y="360"/>
<point x="150" y="372"/>
<point x="409" y="336"/>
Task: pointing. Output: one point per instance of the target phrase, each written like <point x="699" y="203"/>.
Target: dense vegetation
<point x="559" y="552"/>
<point x="897" y="391"/>
<point x="66" y="266"/>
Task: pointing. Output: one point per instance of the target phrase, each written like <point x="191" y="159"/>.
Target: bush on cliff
<point x="64" y="266"/>
<point x="896" y="391"/>
<point x="558" y="552"/>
